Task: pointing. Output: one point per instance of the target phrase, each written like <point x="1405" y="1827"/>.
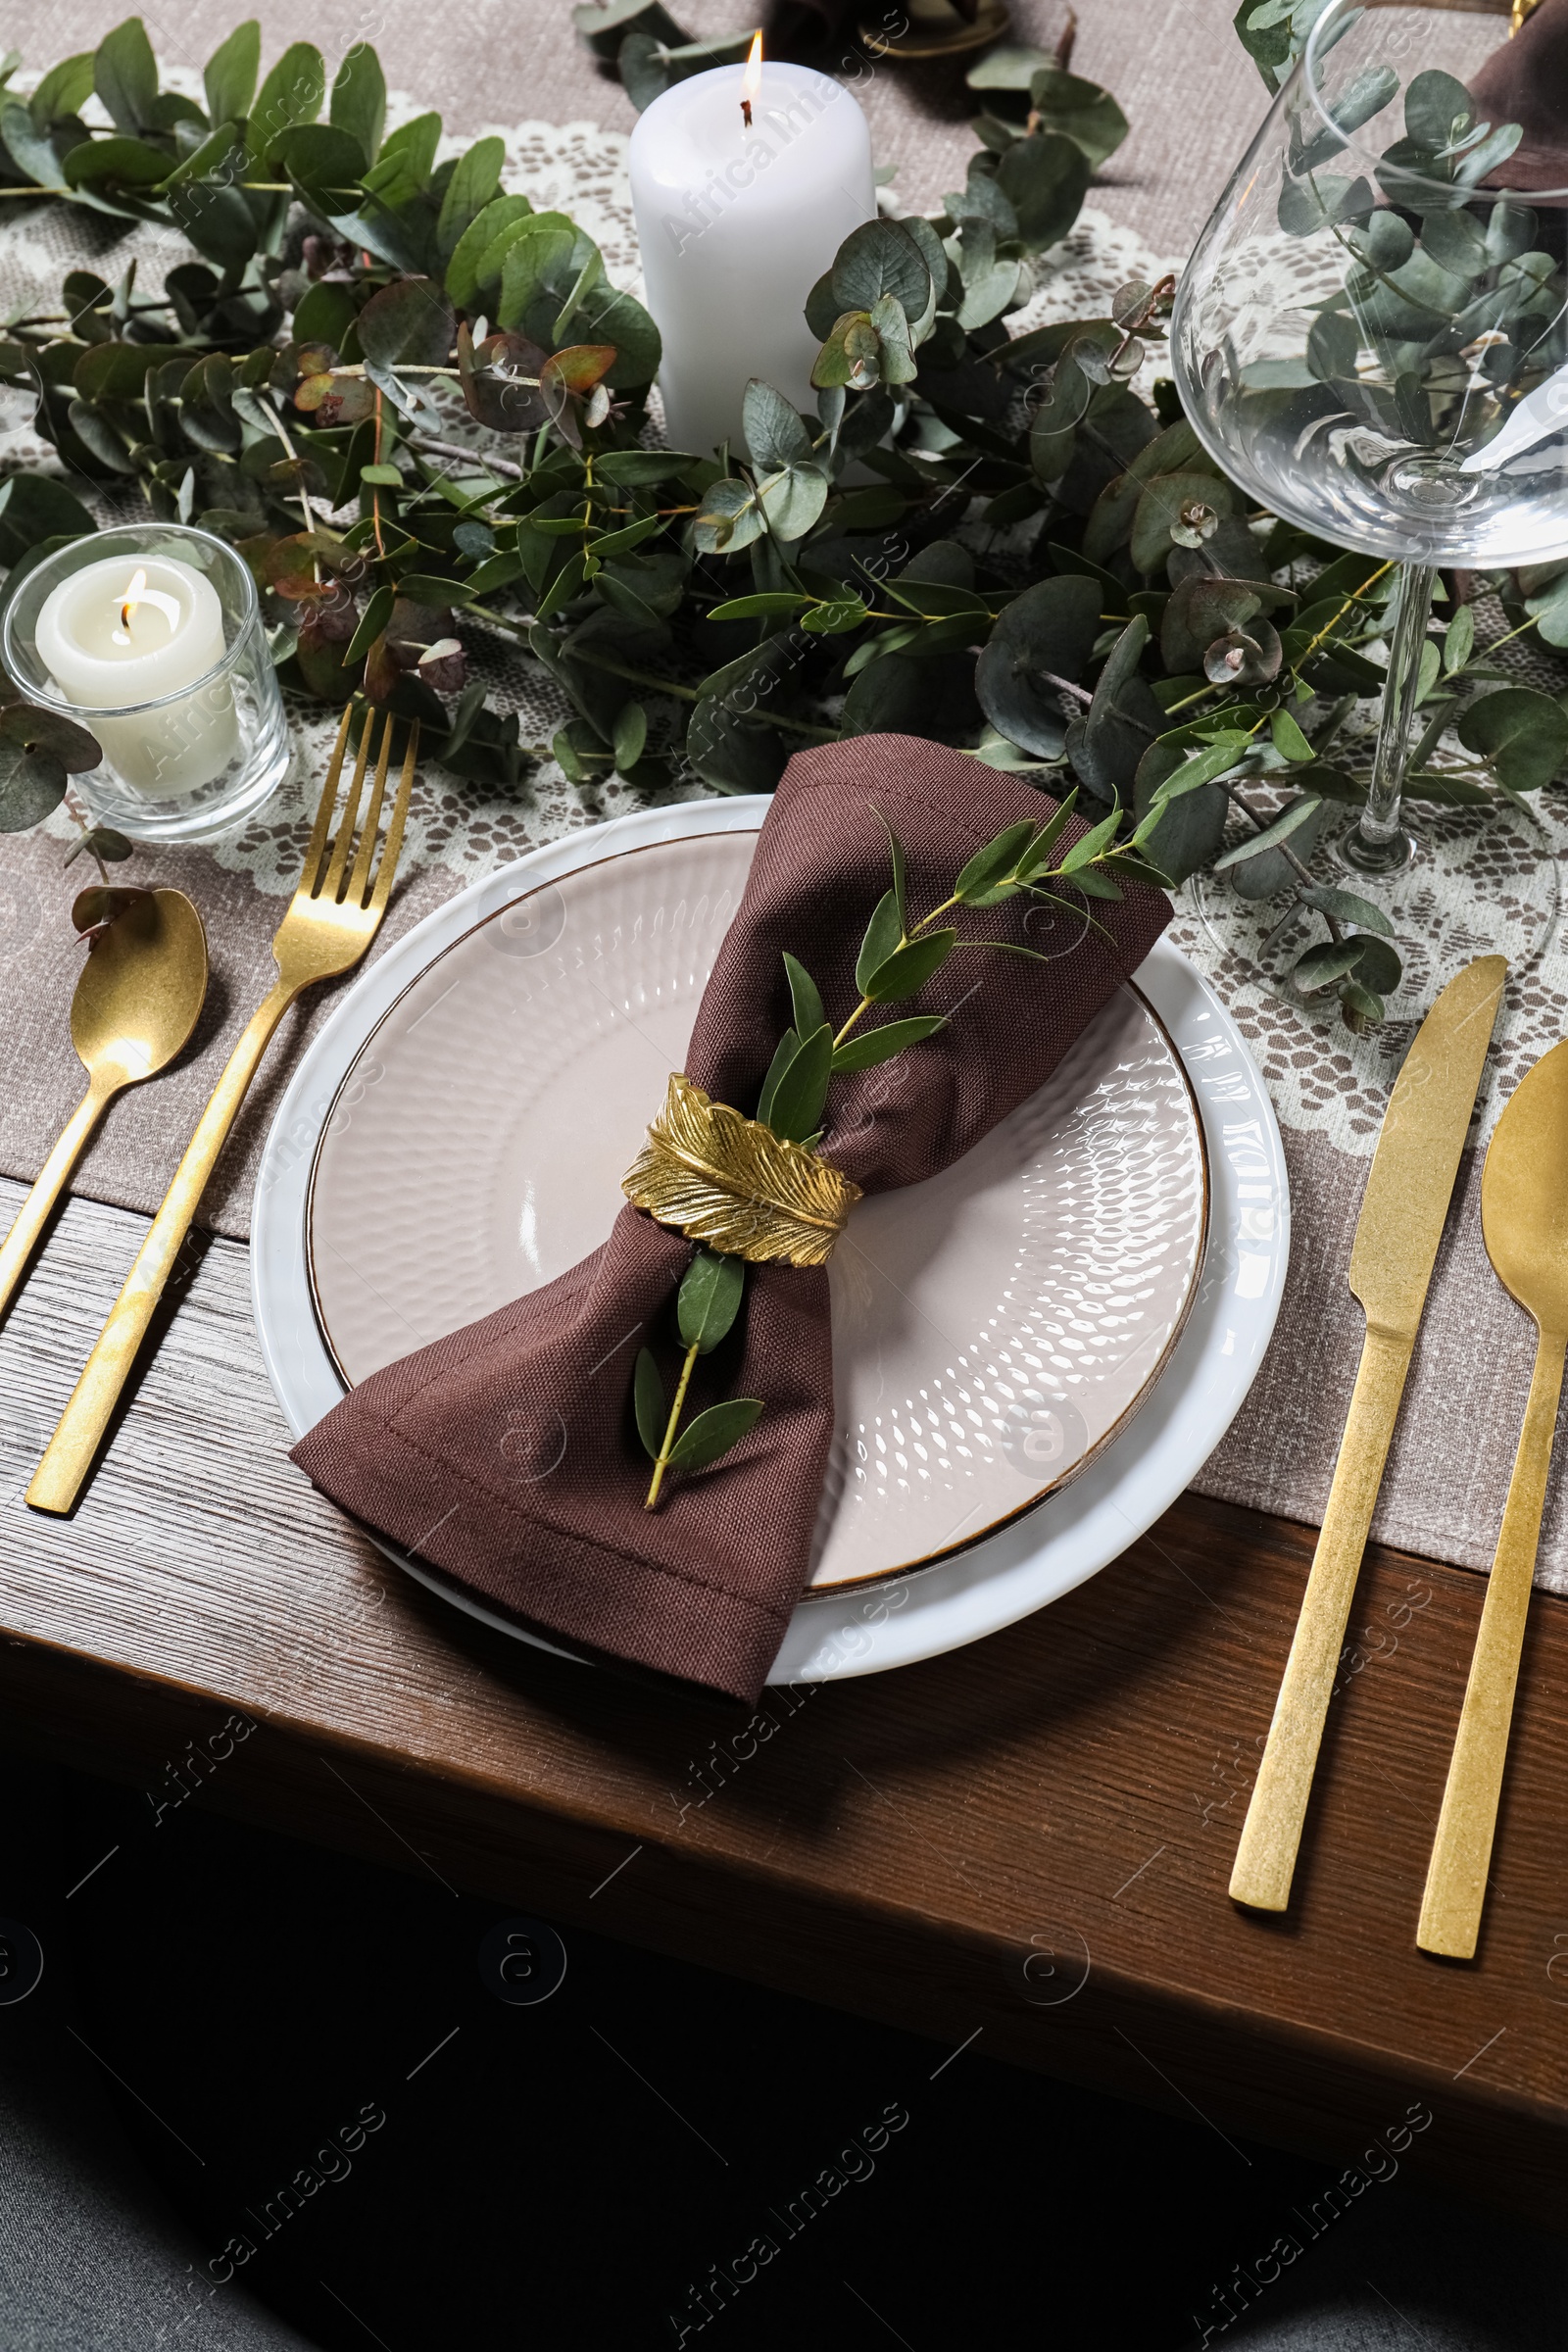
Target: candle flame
<point x="138" y="581"/>
<point x="752" y="78"/>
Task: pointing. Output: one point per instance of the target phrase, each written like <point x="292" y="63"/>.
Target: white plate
<point x="1079" y="1528"/>
<point x="992" y="1327"/>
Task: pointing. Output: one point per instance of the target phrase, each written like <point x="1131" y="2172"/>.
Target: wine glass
<point x="1371" y="338"/>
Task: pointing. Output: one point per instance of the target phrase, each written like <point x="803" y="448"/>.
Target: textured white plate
<point x="1079" y="1528"/>
<point x="993" y="1328"/>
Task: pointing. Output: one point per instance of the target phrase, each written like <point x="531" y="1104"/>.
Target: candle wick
<point x="745" y="112"/>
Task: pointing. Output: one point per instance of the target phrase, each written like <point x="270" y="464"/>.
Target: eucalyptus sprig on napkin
<point x="898" y="954"/>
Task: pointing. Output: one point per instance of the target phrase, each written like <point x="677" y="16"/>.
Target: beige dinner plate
<point x="993" y="1329"/>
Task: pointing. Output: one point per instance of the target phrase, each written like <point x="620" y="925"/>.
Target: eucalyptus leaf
<point x="326" y="165"/>
<point x="1521" y="732"/>
<point x="1052" y="435"/>
<point x="1329" y="961"/>
<point x="870" y="1047"/>
<point x="124" y="76"/>
<point x="1187" y="830"/>
<point x="605" y="24"/>
<point x="931" y="695"/>
<point x="775" y="435"/>
<point x="64" y="90"/>
<point x="1047" y="632"/>
<point x="734" y="750"/>
<point x="1459" y="639"/>
<point x="714" y="1432"/>
<point x="986" y="878"/>
<point x="907" y="970"/>
<point x="1380" y="967"/>
<point x="795" y="1110"/>
<point x="804" y="998"/>
<point x="33" y="784"/>
<point x="468" y="273"/>
<point x="359" y="99"/>
<point x="1289" y="821"/>
<point x="116" y="163"/>
<point x="1123" y="719"/>
<point x="409" y="322"/>
<point x="792" y="501"/>
<point x="709" y="1298"/>
<point x="1045" y="178"/>
<point x="1362" y="1009"/>
<point x="292" y="93"/>
<point x="1348" y="906"/>
<point x="881" y="258"/>
<point x="884" y="934"/>
<point x="229" y="79"/>
<point x="34" y="506"/>
<point x="630" y="736"/>
<point x="649" y="66"/>
<point x="1164" y="507"/>
<point x="783" y="1055"/>
<point x="1547" y="605"/>
<point x="650" y="1405"/>
<point x="1080" y="110"/>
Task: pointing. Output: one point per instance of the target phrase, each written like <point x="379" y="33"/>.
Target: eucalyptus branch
<point x="581" y="521"/>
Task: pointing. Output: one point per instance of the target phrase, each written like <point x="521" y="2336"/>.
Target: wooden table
<point x="1028" y="1840"/>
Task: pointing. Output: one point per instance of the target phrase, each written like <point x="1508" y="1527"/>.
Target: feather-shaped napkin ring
<point x="726" y="1180"/>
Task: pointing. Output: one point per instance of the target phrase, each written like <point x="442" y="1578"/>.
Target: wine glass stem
<point x="1378" y="844"/>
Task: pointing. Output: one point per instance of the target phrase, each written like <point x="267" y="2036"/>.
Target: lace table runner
<point x="1449" y="1466"/>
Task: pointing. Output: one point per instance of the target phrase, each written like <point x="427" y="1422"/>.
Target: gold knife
<point x="1395" y="1247"/>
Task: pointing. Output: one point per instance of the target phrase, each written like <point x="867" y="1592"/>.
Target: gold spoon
<point x="137" y="1001"/>
<point x="1524" y="1217"/>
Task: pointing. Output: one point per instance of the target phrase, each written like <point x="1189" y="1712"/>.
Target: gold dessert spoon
<point x="139" y="996"/>
<point x="1524" y="1218"/>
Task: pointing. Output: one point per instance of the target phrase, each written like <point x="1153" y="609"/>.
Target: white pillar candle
<point x="736" y="226"/>
<point x="134" y="630"/>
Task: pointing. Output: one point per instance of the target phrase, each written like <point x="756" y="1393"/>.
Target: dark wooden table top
<point x="1028" y="1840"/>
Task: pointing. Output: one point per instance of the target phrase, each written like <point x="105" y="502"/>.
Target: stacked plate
<point x="1033" y="1352"/>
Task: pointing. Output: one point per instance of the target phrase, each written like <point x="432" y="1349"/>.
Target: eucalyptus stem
<point x="692" y="694"/>
<point x="864" y="1006"/>
<point x="304" y="494"/>
<point x="454" y="449"/>
<point x="380" y="447"/>
<point x="412" y="368"/>
<point x="661" y="1464"/>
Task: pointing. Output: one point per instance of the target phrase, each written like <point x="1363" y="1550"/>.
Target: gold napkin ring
<point x="727" y="1181"/>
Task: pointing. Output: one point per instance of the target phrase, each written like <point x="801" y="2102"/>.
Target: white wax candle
<point x="132" y="630"/>
<point x="736" y="226"/>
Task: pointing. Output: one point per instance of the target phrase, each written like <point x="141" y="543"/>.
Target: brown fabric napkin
<point x="507" y="1454"/>
<point x="1524" y="80"/>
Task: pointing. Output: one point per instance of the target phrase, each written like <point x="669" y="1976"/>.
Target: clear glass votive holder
<point x="150" y="636"/>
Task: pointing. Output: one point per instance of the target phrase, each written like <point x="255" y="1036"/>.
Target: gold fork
<point x="331" y="919"/>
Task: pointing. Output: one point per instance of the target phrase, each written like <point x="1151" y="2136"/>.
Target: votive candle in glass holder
<point x="150" y="636"/>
